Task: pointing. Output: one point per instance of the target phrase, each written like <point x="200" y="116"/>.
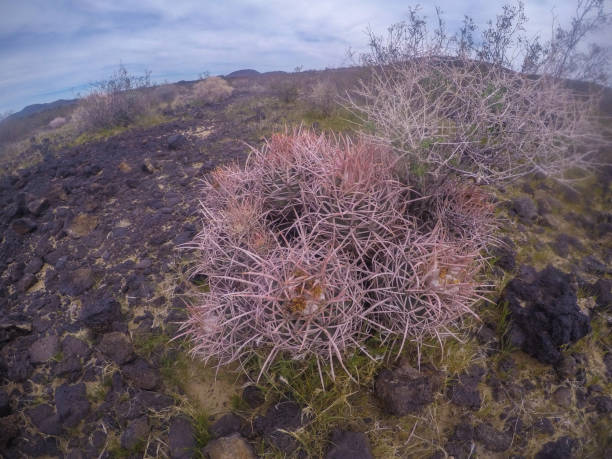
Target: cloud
<point x="48" y="48"/>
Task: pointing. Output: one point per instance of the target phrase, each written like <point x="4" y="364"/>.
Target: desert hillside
<point x="97" y="274"/>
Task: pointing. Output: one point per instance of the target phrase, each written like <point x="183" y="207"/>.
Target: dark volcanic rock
<point x="404" y="392"/>
<point x="23" y="226"/>
<point x="68" y="368"/>
<point x="544" y="313"/>
<point x="562" y="244"/>
<point x="563" y="397"/>
<point x="505" y="255"/>
<point x="99" y="314"/>
<point x="176" y="141"/>
<point x="71" y="403"/>
<point x="226" y="425"/>
<point x="566" y="367"/>
<point x="37" y="446"/>
<point x="19" y="369"/>
<point x="493" y="439"/>
<point x="38" y="206"/>
<point x="461" y="444"/>
<point x="602" y="289"/>
<point x="11" y="328"/>
<point x="253" y="396"/>
<point x="181" y="438"/>
<point x="44" y="349"/>
<point x="464" y="392"/>
<point x="77" y="282"/>
<point x="117" y="346"/>
<point x="544" y="425"/>
<point x="74" y="347"/>
<point x="525" y="209"/>
<point x="45" y="419"/>
<point x="603" y="404"/>
<point x="9" y="430"/>
<point x="349" y="445"/>
<point x="136" y="433"/>
<point x="25" y="283"/>
<point x="154" y="400"/>
<point x="5" y="406"/>
<point x="286" y="415"/>
<point x="140" y="373"/>
<point x="592" y="265"/>
<point x="34" y="265"/>
<point x="560" y="449"/>
<point x="608" y="363"/>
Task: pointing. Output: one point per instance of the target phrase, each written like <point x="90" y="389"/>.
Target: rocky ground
<point x="92" y="288"/>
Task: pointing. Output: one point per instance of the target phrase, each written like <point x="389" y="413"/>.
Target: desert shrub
<point x="57" y="122"/>
<point x="323" y="97"/>
<point x="318" y="244"/>
<point x="451" y="107"/>
<point x="118" y="101"/>
<point x="212" y="90"/>
<point x="166" y="94"/>
<point x="286" y="90"/>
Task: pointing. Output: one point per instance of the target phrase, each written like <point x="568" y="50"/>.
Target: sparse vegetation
<point x="287" y="91"/>
<point x="209" y="91"/>
<point x="323" y="97"/>
<point x="118" y="101"/>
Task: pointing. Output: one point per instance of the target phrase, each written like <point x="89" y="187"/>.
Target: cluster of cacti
<point x="317" y="244"/>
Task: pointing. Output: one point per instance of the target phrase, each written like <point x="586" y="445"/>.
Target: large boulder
<point x="141" y="374"/>
<point x="349" y="445"/>
<point x="464" y="391"/>
<point x="560" y="449"/>
<point x="44" y="349"/>
<point x="136" y="433"/>
<point x="71" y="403"/>
<point x="285" y="416"/>
<point x="181" y="438"/>
<point x="117" y="347"/>
<point x="404" y="390"/>
<point x="100" y="314"/>
<point x="544" y="313"/>
<point x="176" y="141"/>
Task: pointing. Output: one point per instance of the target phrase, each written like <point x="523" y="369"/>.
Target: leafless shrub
<point x="479" y="121"/>
<point x="117" y="101"/>
<point x="316" y="245"/>
<point x="451" y="107"/>
<point x="565" y="54"/>
<point x="323" y="96"/>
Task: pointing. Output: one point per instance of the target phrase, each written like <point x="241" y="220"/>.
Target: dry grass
<point x="211" y="90"/>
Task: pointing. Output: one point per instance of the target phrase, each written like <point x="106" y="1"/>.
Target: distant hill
<point x="276" y="72"/>
<point x="37" y="108"/>
<point x="243" y="73"/>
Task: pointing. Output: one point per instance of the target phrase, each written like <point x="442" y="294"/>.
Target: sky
<point x="52" y="49"/>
